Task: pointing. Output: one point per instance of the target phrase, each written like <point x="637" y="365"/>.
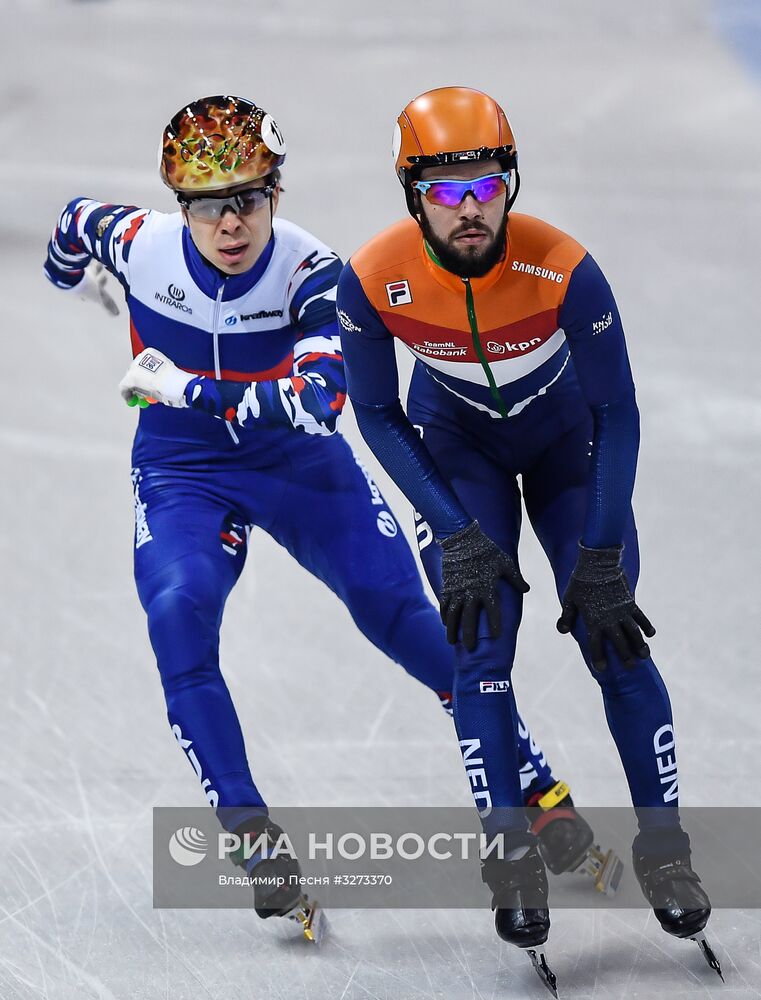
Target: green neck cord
<point x="471" y="310"/>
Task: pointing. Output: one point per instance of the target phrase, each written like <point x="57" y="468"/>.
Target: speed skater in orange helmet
<point x="521" y="397"/>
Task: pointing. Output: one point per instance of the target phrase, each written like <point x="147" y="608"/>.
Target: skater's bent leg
<point x="484" y="705"/>
<point x="184" y="606"/>
<point x="353" y="543"/>
<point x="403" y="624"/>
<point x="183" y="596"/>
<point x="638" y="712"/>
<point x="535" y="771"/>
<point x="637" y="706"/>
<point x="486" y="720"/>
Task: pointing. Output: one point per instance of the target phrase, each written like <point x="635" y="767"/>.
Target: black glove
<point x="471" y="564"/>
<point x="599" y="590"/>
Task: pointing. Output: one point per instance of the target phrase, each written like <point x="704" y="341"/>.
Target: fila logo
<point x="494" y="687"/>
<point x="399" y="293"/>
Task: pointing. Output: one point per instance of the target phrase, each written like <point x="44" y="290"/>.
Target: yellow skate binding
<point x="605" y="869"/>
<point x="556" y="805"/>
<point x="311" y="918"/>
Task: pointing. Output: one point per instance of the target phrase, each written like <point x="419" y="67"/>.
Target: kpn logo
<point x="188" y="846"/>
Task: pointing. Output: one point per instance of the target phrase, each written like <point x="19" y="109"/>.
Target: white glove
<point x="153" y="377"/>
<point x="92" y="287"/>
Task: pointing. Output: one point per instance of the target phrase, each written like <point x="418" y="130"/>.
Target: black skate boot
<point x="519" y="899"/>
<point x="566" y="840"/>
<point x="275" y="877"/>
<point x="662" y="864"/>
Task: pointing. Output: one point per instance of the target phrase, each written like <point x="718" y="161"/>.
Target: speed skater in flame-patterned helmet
<point x="452" y="125"/>
<point x="219" y="142"/>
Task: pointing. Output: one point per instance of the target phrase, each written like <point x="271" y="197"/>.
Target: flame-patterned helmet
<point x="219" y="142"/>
<point x="451" y="125"/>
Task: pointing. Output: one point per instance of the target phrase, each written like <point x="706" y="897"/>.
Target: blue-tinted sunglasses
<point x="451" y="192"/>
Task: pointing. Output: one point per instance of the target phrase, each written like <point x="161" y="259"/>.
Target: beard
<point x="468" y="261"/>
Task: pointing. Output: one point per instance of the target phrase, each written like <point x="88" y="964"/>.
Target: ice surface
<point x="638" y="133"/>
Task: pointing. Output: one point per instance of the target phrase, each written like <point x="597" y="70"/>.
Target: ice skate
<point x="673" y="889"/>
<point x="287" y="900"/>
<point x="566" y="840"/>
<point x="519" y="899"/>
<point x="277" y="892"/>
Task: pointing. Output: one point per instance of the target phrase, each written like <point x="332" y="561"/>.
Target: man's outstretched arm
<point x="88" y="237"/>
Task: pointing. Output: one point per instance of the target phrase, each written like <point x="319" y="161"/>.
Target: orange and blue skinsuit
<point x="520" y="374"/>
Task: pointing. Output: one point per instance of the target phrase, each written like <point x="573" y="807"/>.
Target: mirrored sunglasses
<point x="451" y="192"/>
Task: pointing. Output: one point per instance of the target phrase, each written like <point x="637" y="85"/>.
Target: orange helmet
<point x="451" y="125"/>
<point x="219" y="142"/>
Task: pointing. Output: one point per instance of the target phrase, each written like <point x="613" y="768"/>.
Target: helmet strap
<point x="412" y="197"/>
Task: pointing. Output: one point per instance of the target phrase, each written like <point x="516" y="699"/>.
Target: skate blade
<point x="545" y="973"/>
<point x="310" y="917"/>
<point x="708" y="954"/>
<point x="605" y="868"/>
